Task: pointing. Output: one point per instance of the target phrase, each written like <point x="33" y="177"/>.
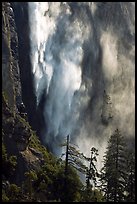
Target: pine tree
<point x="72" y="162"/>
<point x="79" y="161"/>
<point x="92" y="172"/>
<point x="91" y="178"/>
<point x="113" y="173"/>
<point x="74" y="158"/>
<point x="130" y="182"/>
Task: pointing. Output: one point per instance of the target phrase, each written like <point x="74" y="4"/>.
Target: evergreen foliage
<point x="114" y="173"/>
<point x="58" y="180"/>
<point x="130" y="179"/>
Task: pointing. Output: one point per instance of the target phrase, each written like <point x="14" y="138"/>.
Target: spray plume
<point x="82" y="57"/>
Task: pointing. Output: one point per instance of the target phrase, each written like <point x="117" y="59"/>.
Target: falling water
<point x="82" y="56"/>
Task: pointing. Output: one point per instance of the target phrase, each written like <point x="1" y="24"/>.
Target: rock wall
<point x="21" y="19"/>
<point x="16" y="131"/>
<point x="11" y="84"/>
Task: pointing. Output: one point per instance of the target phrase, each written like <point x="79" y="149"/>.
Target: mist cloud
<point x="78" y="51"/>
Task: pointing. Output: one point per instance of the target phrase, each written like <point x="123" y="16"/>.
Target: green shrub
<point x="13" y="161"/>
<point x="4" y="197"/>
<point x="14" y="193"/>
<point x="4" y="153"/>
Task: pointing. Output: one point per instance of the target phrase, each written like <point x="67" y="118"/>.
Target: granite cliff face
<point x="7" y="58"/>
<point x="35" y="114"/>
<point x="16" y="131"/>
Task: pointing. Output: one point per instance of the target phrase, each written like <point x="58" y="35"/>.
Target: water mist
<point x="82" y="56"/>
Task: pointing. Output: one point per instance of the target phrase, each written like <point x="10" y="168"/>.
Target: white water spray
<point x="78" y="50"/>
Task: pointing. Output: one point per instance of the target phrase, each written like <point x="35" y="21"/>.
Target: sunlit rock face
<point x="20" y="10"/>
<point x="8" y="59"/>
<point x="82" y="69"/>
<point x="16" y="131"/>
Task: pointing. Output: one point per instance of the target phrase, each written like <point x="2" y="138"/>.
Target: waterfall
<point x="79" y="50"/>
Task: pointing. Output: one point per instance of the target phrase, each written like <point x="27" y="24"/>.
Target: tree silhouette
<point x="130" y="181"/>
<point x="113" y="173"/>
<point x="77" y="160"/>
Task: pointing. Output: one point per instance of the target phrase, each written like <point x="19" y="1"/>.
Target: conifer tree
<point x="83" y="164"/>
<point x="130" y="181"/>
<point x="92" y="172"/>
<point x="113" y="173"/>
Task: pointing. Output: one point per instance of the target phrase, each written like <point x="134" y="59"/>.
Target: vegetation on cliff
<point x="46" y="178"/>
